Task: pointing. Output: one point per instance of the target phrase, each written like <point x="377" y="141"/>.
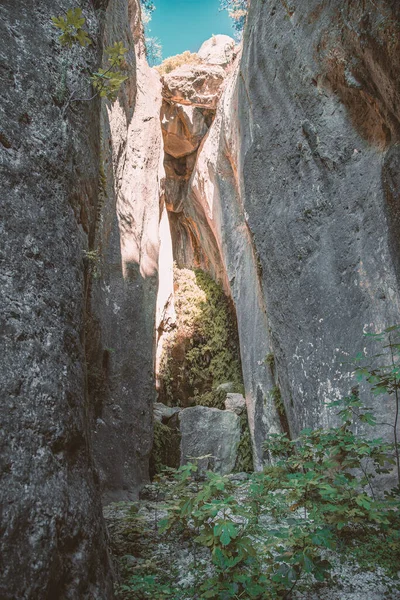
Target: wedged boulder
<point x="183" y="128"/>
<point x="163" y="413"/>
<point x="235" y="403"/>
<point x="218" y="50"/>
<point x="198" y="85"/>
<point x="210" y="431"/>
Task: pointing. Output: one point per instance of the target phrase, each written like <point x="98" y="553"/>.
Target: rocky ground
<point x="157" y="565"/>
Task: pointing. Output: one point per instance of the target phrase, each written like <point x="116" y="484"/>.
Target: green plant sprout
<point x="72" y="28"/>
<point x="107" y="81"/>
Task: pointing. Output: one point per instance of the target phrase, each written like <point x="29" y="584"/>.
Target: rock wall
<point x="190" y="97"/>
<point x="81" y="212"/>
<point x="319" y="115"/>
<point x="52" y="534"/>
<point x="296" y="184"/>
<point x="125" y="282"/>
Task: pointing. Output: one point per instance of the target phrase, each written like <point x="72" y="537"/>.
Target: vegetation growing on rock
<point x="289" y="527"/>
<point x="173" y="62"/>
<point x="203" y="351"/>
<point x="106" y="81"/>
<point x="237" y="10"/>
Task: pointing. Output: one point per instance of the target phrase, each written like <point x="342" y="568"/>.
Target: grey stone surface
<point x="52" y="542"/>
<point x="319" y="190"/>
<point x="228" y="386"/>
<point x="209" y="431"/>
<point x="295" y="194"/>
<point x="235" y="403"/>
<point x="162" y="412"/>
<point x="124" y="288"/>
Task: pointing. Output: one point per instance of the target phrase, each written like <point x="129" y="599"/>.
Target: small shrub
<point x="213" y="399"/>
<point x="173" y="62"/>
<point x="237" y="11"/>
<point x="106" y="82"/>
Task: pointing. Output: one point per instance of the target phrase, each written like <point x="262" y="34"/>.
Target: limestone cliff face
<point x="124" y="287"/>
<point x="297" y="180"/>
<point x="190" y="97"/>
<point x="52" y="534"/>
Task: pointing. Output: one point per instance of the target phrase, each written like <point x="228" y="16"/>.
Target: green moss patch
<point x="203" y="350"/>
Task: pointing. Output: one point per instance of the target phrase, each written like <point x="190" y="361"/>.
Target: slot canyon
<point x="197" y="259"/>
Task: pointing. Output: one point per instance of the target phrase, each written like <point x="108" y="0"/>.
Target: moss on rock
<point x="203" y="350"/>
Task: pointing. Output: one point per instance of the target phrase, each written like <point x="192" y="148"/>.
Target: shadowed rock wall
<point x="124" y="286"/>
<point x="51" y="529"/>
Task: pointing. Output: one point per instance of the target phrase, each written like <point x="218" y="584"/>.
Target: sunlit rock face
<point x="124" y="295"/>
<point x="295" y="194"/>
<point x="52" y="542"/>
<point x="218" y="50"/>
<point x="190" y="97"/>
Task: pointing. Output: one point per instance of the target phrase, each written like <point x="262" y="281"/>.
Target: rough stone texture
<point x="190" y="95"/>
<point x="294" y="200"/>
<point x="162" y="412"/>
<point x="51" y="529"/>
<point x="319" y="111"/>
<point x="228" y="387"/>
<point x="183" y="129"/>
<point x="194" y="84"/>
<point x="124" y="290"/>
<point x="218" y="50"/>
<point x="214" y="202"/>
<point x="209" y="431"/>
<point x="235" y="403"/>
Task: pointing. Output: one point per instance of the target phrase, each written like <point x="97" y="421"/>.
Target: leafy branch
<point x="106" y="81"/>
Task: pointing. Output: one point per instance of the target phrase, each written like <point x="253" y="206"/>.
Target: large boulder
<point x="199" y="85"/>
<point x="218" y="50"/>
<point x="210" y="433"/>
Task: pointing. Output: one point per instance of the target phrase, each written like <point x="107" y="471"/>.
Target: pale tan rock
<point x="124" y="295"/>
<point x="183" y="128"/>
<point x="218" y="50"/>
<point x="197" y="85"/>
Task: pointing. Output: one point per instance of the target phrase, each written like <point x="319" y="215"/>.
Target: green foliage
<point x="270" y="361"/>
<point x="165" y="451"/>
<point x="153" y="45"/>
<point x="285" y="526"/>
<point x="213" y="399"/>
<point x="140" y="586"/>
<point x="107" y="82"/>
<point x="153" y="50"/>
<point x="244" y="460"/>
<point x="173" y="62"/>
<point x="248" y="560"/>
<point x="384" y="378"/>
<point x="217" y="521"/>
<point x="280" y="408"/>
<point x="237" y="10"/>
<point x="72" y="28"/>
<point x="277" y="398"/>
<point x="203" y="351"/>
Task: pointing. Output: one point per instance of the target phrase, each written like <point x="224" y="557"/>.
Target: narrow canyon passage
<point x="189" y="264"/>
